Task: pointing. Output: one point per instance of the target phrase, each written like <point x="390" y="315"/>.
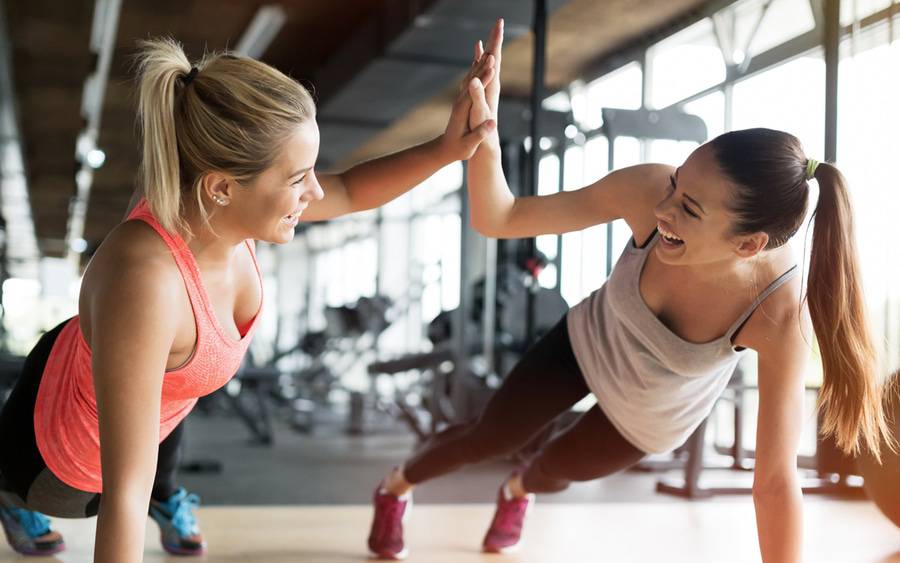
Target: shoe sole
<point x="391" y="556"/>
<point x="502" y="550"/>
<point x="182" y="551"/>
<point x="61" y="546"/>
<point x="39" y="552"/>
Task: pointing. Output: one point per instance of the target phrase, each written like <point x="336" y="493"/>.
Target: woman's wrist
<point x="489" y="149"/>
<point x="441" y="149"/>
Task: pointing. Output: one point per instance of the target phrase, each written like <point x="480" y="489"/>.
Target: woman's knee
<point x="537" y="479"/>
<point x="50" y="496"/>
<point x="65" y="507"/>
<point x="558" y="466"/>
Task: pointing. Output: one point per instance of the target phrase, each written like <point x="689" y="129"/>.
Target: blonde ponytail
<point x="162" y="68"/>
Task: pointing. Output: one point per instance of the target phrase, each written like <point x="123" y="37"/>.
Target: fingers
<point x="471" y="120"/>
<point x="485" y="63"/>
<point x="479" y="102"/>
<point x="485" y="92"/>
<point x="478" y="70"/>
<point x="479" y="59"/>
<point x="479" y="109"/>
<point x="495" y="43"/>
<point x="487" y="73"/>
<point x="484" y="129"/>
<point x="460" y="121"/>
<point x="472" y="140"/>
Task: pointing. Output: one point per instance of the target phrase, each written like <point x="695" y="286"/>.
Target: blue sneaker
<point x="178" y="530"/>
<point x="29" y="532"/>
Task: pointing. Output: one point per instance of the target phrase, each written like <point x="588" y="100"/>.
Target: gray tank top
<point x="654" y="386"/>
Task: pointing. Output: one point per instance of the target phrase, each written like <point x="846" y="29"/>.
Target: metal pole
<point x="537" y="96"/>
<point x="460" y="319"/>
<point x="561" y="185"/>
<point x="489" y="314"/>
<point x="832" y="41"/>
<point x="537" y="89"/>
<point x="379" y="249"/>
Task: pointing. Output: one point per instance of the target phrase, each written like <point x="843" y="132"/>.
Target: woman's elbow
<point x="485" y="226"/>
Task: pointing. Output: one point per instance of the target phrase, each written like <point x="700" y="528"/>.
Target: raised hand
<point x="469" y="125"/>
<point x="491" y="92"/>
<point x="479" y="110"/>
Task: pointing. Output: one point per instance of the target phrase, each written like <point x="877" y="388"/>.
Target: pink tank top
<point x="65" y="414"/>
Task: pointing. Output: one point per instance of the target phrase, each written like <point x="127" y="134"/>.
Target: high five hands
<point x="474" y="115"/>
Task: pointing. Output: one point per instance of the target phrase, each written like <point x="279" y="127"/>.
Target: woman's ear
<point x="751" y="245"/>
<point x="216" y="187"/>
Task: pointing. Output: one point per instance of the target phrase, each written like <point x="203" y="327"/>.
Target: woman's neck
<point x="210" y="240"/>
<point x="737" y="272"/>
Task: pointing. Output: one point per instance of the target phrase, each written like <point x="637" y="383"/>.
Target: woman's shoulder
<point x="643" y="188"/>
<point x="782" y="313"/>
<point x="131" y="278"/>
<point x="132" y="252"/>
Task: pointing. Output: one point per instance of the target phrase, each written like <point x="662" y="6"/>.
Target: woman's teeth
<point x="670" y="237"/>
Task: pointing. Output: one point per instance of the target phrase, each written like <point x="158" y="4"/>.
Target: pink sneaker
<point x="505" y="532"/>
<point x="386" y="535"/>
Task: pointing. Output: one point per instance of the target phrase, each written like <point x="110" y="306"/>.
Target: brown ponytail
<point x="850" y="400"/>
<point x="769" y="172"/>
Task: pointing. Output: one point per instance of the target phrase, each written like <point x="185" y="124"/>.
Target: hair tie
<point x="190" y="76"/>
<point x="811" y="165"/>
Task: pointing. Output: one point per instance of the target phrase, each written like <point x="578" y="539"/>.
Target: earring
<point x="220" y="200"/>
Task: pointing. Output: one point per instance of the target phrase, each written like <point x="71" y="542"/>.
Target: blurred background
<point x="381" y="328"/>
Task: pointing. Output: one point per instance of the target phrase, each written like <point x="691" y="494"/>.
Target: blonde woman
<point x="707" y="275"/>
<point x="170" y="300"/>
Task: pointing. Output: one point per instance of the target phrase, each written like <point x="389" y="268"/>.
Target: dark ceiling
<point x="382" y="71"/>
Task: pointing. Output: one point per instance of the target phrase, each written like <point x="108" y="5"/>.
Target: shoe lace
<point x="182" y="510"/>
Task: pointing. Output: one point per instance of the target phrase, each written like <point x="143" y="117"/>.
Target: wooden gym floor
<point x="695" y="532"/>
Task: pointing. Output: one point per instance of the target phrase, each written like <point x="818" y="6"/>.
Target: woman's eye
<point x="689" y="212"/>
<point x="299" y="180"/>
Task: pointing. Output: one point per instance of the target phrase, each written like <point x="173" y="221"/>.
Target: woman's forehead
<point x="701" y="178"/>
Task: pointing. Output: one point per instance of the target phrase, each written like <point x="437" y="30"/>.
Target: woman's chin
<point x="670" y="255"/>
<point x="281" y="236"/>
